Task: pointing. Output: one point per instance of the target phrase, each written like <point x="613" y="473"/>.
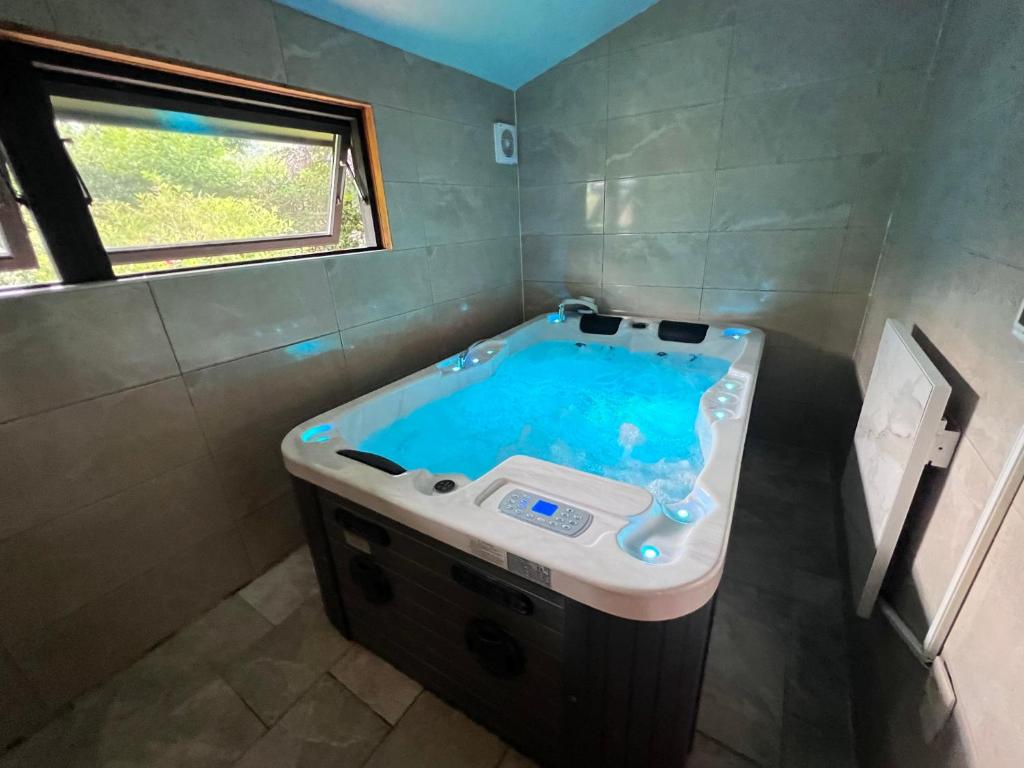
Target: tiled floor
<point x="263" y="680"/>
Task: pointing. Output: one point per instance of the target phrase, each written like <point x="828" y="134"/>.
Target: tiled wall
<point x="140" y="422"/>
<point x="733" y="159"/>
<point x="953" y="269"/>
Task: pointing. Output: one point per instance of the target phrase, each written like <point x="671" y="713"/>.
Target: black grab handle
<point x="375" y="460"/>
<point x="494" y="648"/>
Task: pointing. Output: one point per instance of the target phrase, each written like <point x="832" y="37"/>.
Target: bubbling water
<point x="629" y="416"/>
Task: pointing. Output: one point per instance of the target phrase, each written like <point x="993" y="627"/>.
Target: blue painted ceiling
<point x="508" y="42"/>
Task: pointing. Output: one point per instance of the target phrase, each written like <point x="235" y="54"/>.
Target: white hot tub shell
<point x="577" y="649"/>
<point x="602" y="567"/>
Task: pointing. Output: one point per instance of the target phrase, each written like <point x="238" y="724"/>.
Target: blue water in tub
<point x="630" y="416"/>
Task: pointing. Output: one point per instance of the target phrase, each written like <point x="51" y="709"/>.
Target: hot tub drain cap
<point x="444" y="486"/>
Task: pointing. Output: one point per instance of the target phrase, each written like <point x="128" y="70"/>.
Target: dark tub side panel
<point x="624" y="693"/>
<point x="633" y="694"/>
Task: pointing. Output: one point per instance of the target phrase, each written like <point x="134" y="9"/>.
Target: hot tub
<point x="536" y="529"/>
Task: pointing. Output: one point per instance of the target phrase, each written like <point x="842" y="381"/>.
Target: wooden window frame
<point x="53" y="189"/>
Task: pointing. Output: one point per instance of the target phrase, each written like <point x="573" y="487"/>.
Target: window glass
<point x="24" y="258"/>
<point x="173" y="190"/>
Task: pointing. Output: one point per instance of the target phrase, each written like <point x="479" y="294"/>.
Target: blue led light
<point x="735" y="333"/>
<point x="316" y="434"/>
<point x="305" y="349"/>
<point x="722" y="399"/>
<point x="649" y="552"/>
<point x="554" y="318"/>
<point x="730" y="385"/>
<point x="719" y="414"/>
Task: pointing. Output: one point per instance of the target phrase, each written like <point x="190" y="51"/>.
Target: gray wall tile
<point x="569" y="258"/>
<point x="407" y="212"/>
<point x="848" y="117"/>
<point x="272" y="531"/>
<point x="381" y="352"/>
<point x="396" y="138"/>
<point x="664" y="142"/>
<point x="73" y="456"/>
<point x="59" y="348"/>
<point x="234" y="35"/>
<point x="668" y="20"/>
<point x="684" y="72"/>
<point x="571" y="92"/>
<point x="667" y="260"/>
<point x="817" y="193"/>
<point x="28" y="12"/>
<point x="323" y="57"/>
<point x="673" y="203"/>
<point x="21" y="709"/>
<point x="559" y="154"/>
<point x="216" y="316"/>
<point x="81" y="556"/>
<point x="859" y="259"/>
<point x="565" y="209"/>
<point x="459" y="214"/>
<point x="543" y="297"/>
<point x="104" y="636"/>
<point x="813" y="42"/>
<point x="462" y="321"/>
<point x="441" y="91"/>
<point x="357" y="280"/>
<point x="980" y="63"/>
<point x="652" y="301"/>
<point x="251" y="472"/>
<point x="462" y="269"/>
<point x="799" y="260"/>
<point x="235" y="400"/>
<point x="458" y="153"/>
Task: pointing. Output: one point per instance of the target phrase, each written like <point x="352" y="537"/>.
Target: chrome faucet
<point x="465" y="353"/>
<point x="582" y="301"/>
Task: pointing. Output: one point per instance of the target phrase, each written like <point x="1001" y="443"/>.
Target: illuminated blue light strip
<point x="316" y="434"/>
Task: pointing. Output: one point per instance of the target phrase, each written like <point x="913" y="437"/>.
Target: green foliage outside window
<point x="154" y="187"/>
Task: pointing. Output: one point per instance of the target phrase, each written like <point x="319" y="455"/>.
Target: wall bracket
<point x="946" y="441"/>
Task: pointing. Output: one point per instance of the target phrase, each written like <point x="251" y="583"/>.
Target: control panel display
<point x="532" y="509"/>
<point x="545" y="508"/>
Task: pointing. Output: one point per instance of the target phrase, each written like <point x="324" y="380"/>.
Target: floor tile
<point x="817" y="679"/>
<point x="807" y="746"/>
<point x="222" y="633"/>
<point x="275" y="671"/>
<point x="433" y="735"/>
<point x="282" y="589"/>
<point x="382" y="687"/>
<point x="328" y="726"/>
<point x="513" y="759"/>
<point x="213" y="727"/>
<point x="708" y="753"/>
<point x="742" y="698"/>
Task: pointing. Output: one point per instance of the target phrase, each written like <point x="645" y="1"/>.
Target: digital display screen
<point x="545" y="508"/>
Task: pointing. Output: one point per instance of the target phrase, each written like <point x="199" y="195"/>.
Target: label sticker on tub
<point x="488" y="552"/>
<point x="528" y="569"/>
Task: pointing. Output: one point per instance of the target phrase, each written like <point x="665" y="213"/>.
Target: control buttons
<point x="532" y="509"/>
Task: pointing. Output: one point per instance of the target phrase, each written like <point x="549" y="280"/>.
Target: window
<point x="143" y="170"/>
<point x="24" y="258"/>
